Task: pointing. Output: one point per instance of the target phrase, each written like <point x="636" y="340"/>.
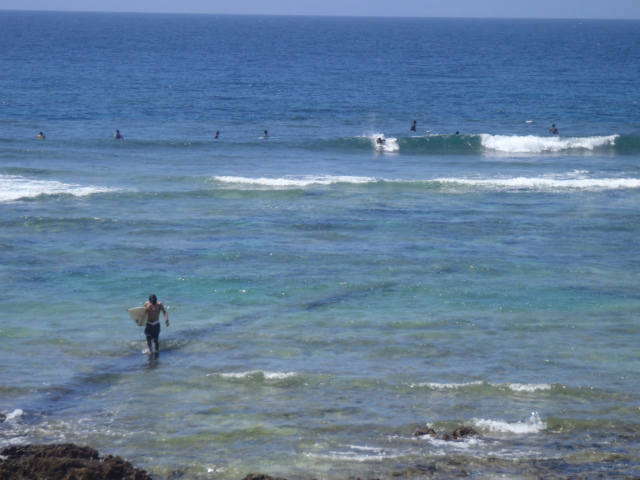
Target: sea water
<point x="328" y="295"/>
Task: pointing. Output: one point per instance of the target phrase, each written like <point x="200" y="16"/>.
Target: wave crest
<point x="535" y="144"/>
<point x="483" y="143"/>
<point x="533" y="425"/>
<point x="257" y="374"/>
<point x="13" y="187"/>
<point x="293" y="182"/>
<point x="544" y="183"/>
<point x="514" y="387"/>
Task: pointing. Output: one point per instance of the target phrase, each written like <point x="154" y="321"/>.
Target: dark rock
<point x="64" y="462"/>
<point x="261" y="476"/>
<point x="425" y="431"/>
<point x="459" y="432"/>
<point x="62" y="450"/>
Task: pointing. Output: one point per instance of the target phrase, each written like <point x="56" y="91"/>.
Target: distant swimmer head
<point x="153" y="299"/>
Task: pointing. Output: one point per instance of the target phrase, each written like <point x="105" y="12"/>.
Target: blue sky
<point x="626" y="9"/>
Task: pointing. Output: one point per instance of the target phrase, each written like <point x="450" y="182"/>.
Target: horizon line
<point x="313" y="15"/>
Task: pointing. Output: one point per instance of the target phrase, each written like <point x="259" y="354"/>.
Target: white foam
<point x="278" y="375"/>
<point x="266" y="375"/>
<point x="446" y="386"/>
<point x="14" y="416"/>
<point x="13" y="187"/>
<point x="533" y="425"/>
<point x="366" y="449"/>
<point x="516" y="387"/>
<point x="535" y="144"/>
<point x="360" y="454"/>
<point x="461" y="444"/>
<point x="544" y="183"/>
<point x="390" y="144"/>
<point x="295" y="182"/>
<point x="524" y="387"/>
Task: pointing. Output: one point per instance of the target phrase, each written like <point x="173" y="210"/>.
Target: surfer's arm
<point x="166" y="315"/>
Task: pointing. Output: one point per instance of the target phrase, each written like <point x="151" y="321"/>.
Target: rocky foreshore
<point x="64" y="461"/>
<point x="67" y="461"/>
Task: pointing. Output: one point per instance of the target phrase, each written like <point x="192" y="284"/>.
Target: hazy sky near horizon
<point x="587" y="9"/>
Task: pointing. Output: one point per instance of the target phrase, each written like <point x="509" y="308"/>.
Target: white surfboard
<point x="139" y="315"/>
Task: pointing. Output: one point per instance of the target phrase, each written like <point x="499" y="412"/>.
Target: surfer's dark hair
<point x="153" y="299"/>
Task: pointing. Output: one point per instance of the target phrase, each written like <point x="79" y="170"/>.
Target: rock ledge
<point x="64" y="461"/>
<point x="458" y="433"/>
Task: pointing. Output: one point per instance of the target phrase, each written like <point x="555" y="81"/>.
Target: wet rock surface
<point x="64" y="462"/>
<point x="261" y="476"/>
<point x="458" y="433"/>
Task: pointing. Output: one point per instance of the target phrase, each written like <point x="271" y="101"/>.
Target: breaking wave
<point x="484" y="144"/>
<point x="536" y="144"/>
<point x="553" y="183"/>
<point x="292" y="181"/>
<point x="13" y="187"/>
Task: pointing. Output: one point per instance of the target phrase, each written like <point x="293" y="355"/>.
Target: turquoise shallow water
<point x="328" y="296"/>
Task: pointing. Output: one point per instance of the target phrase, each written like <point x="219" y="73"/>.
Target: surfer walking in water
<point x="152" y="330"/>
<point x="553" y="130"/>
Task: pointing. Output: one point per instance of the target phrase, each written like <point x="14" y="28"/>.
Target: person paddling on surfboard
<point x="152" y="330"/>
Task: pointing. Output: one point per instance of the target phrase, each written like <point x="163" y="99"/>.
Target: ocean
<point x="329" y="295"/>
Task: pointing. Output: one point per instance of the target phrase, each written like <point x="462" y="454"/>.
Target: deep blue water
<point x="328" y="295"/>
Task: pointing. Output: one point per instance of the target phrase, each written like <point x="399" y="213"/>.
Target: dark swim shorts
<point x="152" y="331"/>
